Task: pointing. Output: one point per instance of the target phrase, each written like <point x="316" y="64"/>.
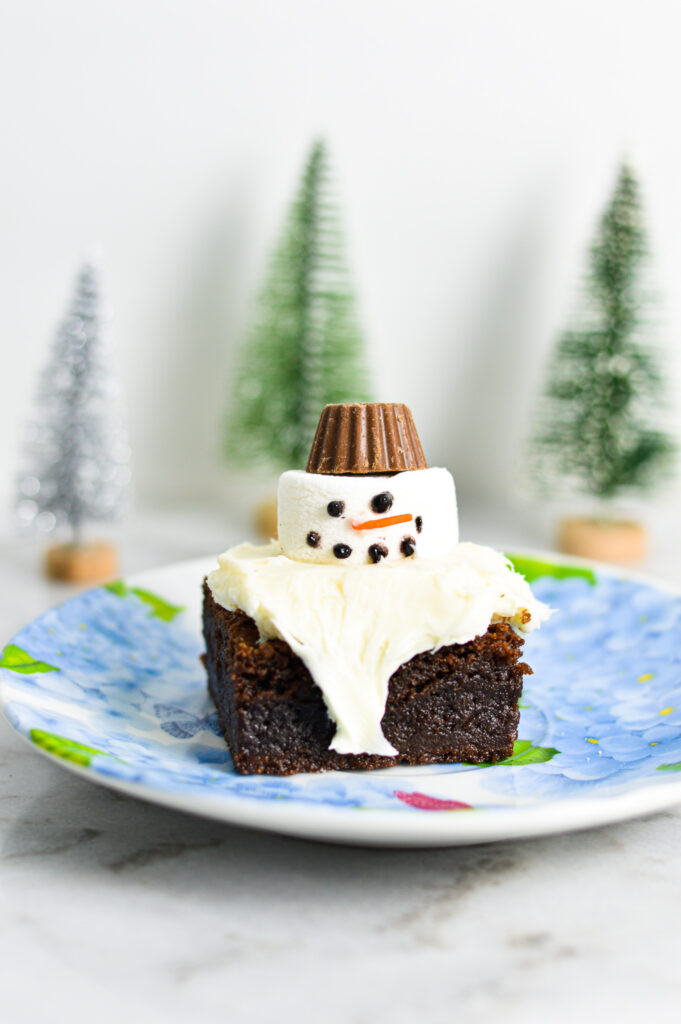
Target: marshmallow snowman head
<point x="367" y="496"/>
<point x="367" y="519"/>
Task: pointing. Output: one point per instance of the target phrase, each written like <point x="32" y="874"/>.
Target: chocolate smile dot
<point x="408" y="546"/>
<point x="313" y="539"/>
<point x="377" y="552"/>
<point x="336" y="509"/>
<point x="382" y="502"/>
<point x="419" y="524"/>
<point x="342" y="550"/>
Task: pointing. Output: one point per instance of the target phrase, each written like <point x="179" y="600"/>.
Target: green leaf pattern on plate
<point x="534" y="568"/>
<point x="160" y="608"/>
<point x="60" y="746"/>
<point x="18" y="660"/>
<point x="524" y="752"/>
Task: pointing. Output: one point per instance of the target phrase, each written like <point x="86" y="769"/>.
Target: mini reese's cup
<point x="365" y="438"/>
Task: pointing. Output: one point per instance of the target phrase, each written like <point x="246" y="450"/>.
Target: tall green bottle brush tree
<point x="599" y="427"/>
<point x="305" y="348"/>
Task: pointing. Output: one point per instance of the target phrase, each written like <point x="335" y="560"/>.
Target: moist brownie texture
<point x="459" y="703"/>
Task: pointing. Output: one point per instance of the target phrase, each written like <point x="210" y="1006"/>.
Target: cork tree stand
<point x="82" y="563"/>
<point x="605" y="540"/>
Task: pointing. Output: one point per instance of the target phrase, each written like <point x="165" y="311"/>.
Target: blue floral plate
<point x="110" y="684"/>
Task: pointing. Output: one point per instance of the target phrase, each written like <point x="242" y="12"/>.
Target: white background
<point x="474" y="145"/>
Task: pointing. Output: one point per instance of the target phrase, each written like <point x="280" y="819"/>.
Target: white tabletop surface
<point x="116" y="910"/>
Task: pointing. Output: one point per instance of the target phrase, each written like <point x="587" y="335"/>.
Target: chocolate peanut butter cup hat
<point x="362" y="438"/>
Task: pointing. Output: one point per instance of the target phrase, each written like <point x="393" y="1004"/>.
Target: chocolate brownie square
<point x="459" y="703"/>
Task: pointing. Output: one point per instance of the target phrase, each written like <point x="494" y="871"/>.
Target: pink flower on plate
<point x="431" y="803"/>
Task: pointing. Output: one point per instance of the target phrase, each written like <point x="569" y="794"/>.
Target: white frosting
<point x="353" y="626"/>
<point x="424" y="499"/>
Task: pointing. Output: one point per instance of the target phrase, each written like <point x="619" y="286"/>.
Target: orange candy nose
<point x="374" y="524"/>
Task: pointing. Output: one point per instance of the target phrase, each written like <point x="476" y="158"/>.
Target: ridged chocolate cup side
<point x="358" y="438"/>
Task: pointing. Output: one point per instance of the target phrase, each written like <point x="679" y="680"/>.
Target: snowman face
<point x="367" y="520"/>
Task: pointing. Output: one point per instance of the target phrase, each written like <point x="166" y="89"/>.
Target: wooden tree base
<point x="81" y="563"/>
<point x="265" y="516"/>
<point x="606" y="540"/>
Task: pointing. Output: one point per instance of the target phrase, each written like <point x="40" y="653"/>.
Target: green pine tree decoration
<point x="305" y="348"/>
<point x="598" y="429"/>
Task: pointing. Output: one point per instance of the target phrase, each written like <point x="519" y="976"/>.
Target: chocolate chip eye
<point x="408" y="546"/>
<point x="336" y="509"/>
<point x="313" y="539"/>
<point x="382" y="502"/>
<point x="419" y="524"/>
<point x="376" y="552"/>
<point x="342" y="550"/>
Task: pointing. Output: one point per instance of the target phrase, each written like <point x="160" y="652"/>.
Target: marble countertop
<point x="113" y="909"/>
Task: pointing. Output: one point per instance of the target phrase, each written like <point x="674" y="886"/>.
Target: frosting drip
<point x="353" y="626"/>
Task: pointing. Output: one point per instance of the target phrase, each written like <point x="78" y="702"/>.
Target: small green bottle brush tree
<point x="599" y="423"/>
<point x="305" y="348"/>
